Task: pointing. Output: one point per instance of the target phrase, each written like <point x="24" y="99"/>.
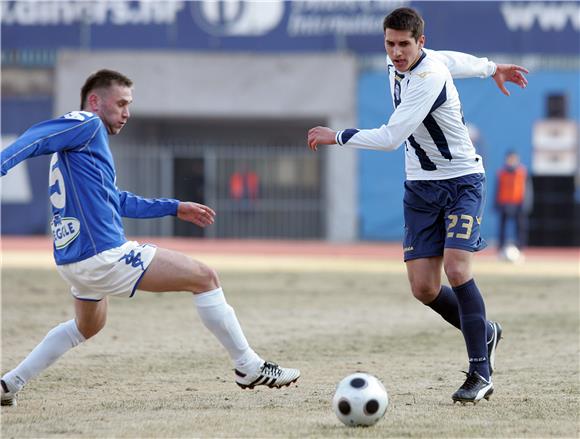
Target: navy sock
<point x="474" y="326"/>
<point x="445" y="304"/>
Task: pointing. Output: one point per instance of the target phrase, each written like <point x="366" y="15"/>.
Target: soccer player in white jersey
<point x="445" y="183"/>
<point x="90" y="248"/>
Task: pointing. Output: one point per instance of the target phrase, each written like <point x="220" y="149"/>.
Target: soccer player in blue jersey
<point x="90" y="248"/>
<point x="445" y="182"/>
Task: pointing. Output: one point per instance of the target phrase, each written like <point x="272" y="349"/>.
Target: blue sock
<point x="474" y="326"/>
<point x="445" y="304"/>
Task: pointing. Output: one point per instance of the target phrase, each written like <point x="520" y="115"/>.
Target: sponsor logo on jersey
<point x="423" y="75"/>
<point x="64" y="230"/>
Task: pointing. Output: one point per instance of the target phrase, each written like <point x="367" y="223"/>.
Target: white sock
<point x="57" y="342"/>
<point x="220" y="318"/>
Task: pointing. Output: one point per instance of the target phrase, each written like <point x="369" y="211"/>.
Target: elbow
<point x="394" y="145"/>
<point x="390" y="142"/>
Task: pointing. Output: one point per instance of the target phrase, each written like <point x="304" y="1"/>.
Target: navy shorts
<point x="443" y="214"/>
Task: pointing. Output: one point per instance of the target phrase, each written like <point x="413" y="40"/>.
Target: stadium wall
<point x="239" y="87"/>
<point x="362" y="189"/>
<point x="502" y="123"/>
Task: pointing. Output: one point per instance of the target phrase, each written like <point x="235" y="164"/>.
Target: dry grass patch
<point x="155" y="371"/>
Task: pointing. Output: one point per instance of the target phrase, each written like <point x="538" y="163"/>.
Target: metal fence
<point x="257" y="191"/>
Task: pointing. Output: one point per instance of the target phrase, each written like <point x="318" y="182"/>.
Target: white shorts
<point x="114" y="272"/>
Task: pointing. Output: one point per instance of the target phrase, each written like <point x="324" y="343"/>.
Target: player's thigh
<point x="464" y="213"/>
<point x="424" y="222"/>
<point x="173" y="271"/>
<point x="425" y="277"/>
<point x="91" y="315"/>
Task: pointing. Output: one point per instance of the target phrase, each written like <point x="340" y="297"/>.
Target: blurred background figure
<point x="244" y="185"/>
<point x="513" y="202"/>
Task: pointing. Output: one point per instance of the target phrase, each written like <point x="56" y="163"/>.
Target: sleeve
<point x="420" y="98"/>
<point x="134" y="206"/>
<point x="463" y="65"/>
<point x="65" y="133"/>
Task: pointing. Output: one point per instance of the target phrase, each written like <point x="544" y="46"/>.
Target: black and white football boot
<point x="268" y="374"/>
<point x="492" y="344"/>
<point x="8" y="398"/>
<point x="474" y="389"/>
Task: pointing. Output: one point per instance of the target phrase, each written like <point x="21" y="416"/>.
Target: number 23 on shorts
<point x="460" y="226"/>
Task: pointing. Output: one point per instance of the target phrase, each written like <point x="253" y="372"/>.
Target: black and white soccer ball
<point x="360" y="400"/>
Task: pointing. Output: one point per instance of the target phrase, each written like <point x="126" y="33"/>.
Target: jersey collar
<point x="421" y="58"/>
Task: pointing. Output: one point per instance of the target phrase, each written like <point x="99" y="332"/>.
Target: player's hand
<point x="320" y="136"/>
<point x="195" y="213"/>
<point x="510" y="73"/>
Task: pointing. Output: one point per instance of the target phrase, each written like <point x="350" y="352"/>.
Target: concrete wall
<point x="237" y="86"/>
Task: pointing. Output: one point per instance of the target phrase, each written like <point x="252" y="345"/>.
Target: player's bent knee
<point x="208" y="279"/>
<point x="424" y="293"/>
<point x="457" y="275"/>
<point x="91" y="329"/>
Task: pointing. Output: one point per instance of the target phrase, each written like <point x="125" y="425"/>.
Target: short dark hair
<point x="405" y="19"/>
<point x="102" y="79"/>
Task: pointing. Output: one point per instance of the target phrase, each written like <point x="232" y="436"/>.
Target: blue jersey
<point x="86" y="204"/>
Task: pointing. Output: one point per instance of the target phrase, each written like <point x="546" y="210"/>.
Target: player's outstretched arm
<point x="320" y="136"/>
<point x="64" y="133"/>
<point x="510" y="73"/>
<point x="418" y="101"/>
<point x="463" y="65"/>
<point x="195" y="213"/>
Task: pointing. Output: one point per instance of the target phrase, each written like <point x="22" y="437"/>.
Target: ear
<point x="421" y="41"/>
<point x="93" y="101"/>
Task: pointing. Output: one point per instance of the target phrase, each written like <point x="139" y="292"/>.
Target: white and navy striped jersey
<point x="427" y="118"/>
<point x="87" y="206"/>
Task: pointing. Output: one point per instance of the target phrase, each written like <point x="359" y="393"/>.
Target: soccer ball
<point x="360" y="400"/>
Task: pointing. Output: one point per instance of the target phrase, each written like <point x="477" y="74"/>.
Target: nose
<point x="126" y="113"/>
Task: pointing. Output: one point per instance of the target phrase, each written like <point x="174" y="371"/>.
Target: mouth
<point x="399" y="63"/>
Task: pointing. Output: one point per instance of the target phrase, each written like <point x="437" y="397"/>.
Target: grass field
<point x="155" y="371"/>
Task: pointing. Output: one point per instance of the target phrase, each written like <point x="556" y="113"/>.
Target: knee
<point x="456" y="274"/>
<point x="425" y="292"/>
<point x="208" y="279"/>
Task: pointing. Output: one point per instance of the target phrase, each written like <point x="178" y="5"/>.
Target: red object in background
<point x="244" y="185"/>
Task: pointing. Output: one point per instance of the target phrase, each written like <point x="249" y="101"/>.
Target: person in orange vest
<point x="244" y="185"/>
<point x="513" y="200"/>
<point x="237" y="186"/>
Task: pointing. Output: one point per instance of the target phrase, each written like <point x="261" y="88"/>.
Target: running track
<point x="365" y="250"/>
